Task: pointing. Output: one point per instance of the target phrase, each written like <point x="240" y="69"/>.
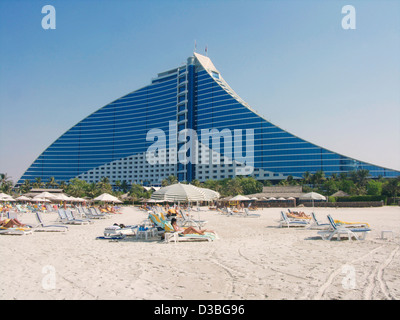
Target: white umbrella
<point x="239" y="198"/>
<point x="272" y="198"/>
<point x="24" y="198"/>
<point x="38" y="199"/>
<point x="312" y="196"/>
<point x="6" y="197"/>
<point x="62" y="197"/>
<point x="180" y="192"/>
<point x="209" y="194"/>
<point x="46" y="195"/>
<point x="106" y="197"/>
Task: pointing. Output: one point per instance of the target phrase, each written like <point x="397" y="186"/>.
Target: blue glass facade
<point x="111" y="142"/>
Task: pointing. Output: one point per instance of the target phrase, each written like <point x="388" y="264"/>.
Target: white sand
<point x="253" y="260"/>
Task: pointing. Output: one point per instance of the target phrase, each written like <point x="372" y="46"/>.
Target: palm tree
<point x="233" y="187"/>
<point x="125" y="186"/>
<point x="38" y="183"/>
<point x="52" y="183"/>
<point x="26" y="186"/>
<point x="104" y="185"/>
<point x="319" y="177"/>
<point x="170" y="180"/>
<point x="5" y="183"/>
<point x="91" y="190"/>
<point x="307" y="177"/>
<point x="117" y="185"/>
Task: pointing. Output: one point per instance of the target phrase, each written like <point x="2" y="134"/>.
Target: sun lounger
<point x="247" y="214"/>
<point x="171" y="235"/>
<point x="96" y="212"/>
<point x="315" y="224"/>
<point x="44" y="227"/>
<point x="289" y="222"/>
<point x="118" y="231"/>
<point x="187" y="221"/>
<point x="338" y="230"/>
<point x="67" y="218"/>
<point x="15" y="231"/>
<point x="89" y="214"/>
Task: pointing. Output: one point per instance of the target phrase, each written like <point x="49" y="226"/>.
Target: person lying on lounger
<point x="10" y="223"/>
<point x="299" y="214"/>
<point x="188" y="229"/>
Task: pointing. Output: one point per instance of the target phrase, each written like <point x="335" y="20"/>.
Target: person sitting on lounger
<point x="10" y="223"/>
<point x="188" y="229"/>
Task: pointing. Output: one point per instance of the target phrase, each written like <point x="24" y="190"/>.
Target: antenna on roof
<point x="206" y="51"/>
<point x="195" y="46"/>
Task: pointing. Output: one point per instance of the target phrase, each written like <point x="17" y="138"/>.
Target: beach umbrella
<point x="240" y="198"/>
<point x="281" y="199"/>
<point x="62" y="197"/>
<point x="23" y="198"/>
<point x="6" y="197"/>
<point x="312" y="196"/>
<point x="210" y="194"/>
<point x="271" y="199"/>
<point x="179" y="192"/>
<point x="106" y="197"/>
<point x="46" y="195"/>
<point x="38" y="199"/>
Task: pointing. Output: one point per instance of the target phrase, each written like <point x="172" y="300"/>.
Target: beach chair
<point x="116" y="230"/>
<point x="338" y="230"/>
<point x="247" y="214"/>
<point x="20" y="208"/>
<point x="171" y="235"/>
<point x="74" y="213"/>
<point x="177" y="236"/>
<point x="315" y="224"/>
<point x="67" y="218"/>
<point x="44" y="227"/>
<point x="89" y="214"/>
<point x="96" y="212"/>
<point x="15" y="230"/>
<point x="187" y="221"/>
<point x="289" y="222"/>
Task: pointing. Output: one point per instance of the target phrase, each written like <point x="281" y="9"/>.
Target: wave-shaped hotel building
<point x="189" y="123"/>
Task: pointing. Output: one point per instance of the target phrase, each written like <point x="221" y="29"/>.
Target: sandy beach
<point x="253" y="259"/>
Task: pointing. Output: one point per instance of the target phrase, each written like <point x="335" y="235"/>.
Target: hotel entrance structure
<point x="115" y="140"/>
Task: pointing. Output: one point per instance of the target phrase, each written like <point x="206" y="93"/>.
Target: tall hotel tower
<point x="117" y="141"/>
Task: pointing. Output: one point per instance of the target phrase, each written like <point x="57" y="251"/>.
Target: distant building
<point x="114" y="142"/>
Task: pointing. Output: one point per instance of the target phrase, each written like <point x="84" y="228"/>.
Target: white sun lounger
<point x="44" y="227"/>
<point x="338" y="230"/>
<point x="290" y="222"/>
<point x="318" y="225"/>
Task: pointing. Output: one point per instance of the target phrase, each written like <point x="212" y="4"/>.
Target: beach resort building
<point x="190" y="123"/>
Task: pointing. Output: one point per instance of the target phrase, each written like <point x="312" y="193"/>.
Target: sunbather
<point x="298" y="214"/>
<point x="10" y="223"/>
<point x="188" y="229"/>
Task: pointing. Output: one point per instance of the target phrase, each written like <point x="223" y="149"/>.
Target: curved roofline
<point x="208" y="66"/>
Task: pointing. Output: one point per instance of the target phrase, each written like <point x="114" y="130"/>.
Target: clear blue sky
<point x="290" y="60"/>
